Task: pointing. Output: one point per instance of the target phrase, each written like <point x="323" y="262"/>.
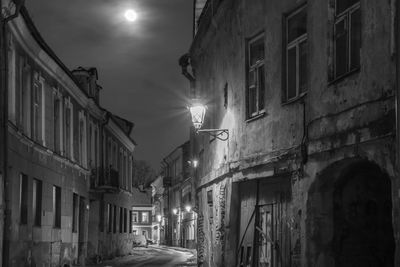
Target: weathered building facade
<point x="307" y="92"/>
<point x="56" y="156"/>
<point x="142" y="218"/>
<point x="179" y="217"/>
<point x="112" y="195"/>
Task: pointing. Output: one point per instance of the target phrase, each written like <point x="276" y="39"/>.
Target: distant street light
<point x="188" y="208"/>
<point x="174" y="211"/>
<point x="130" y="15"/>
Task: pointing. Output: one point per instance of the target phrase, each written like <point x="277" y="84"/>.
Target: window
<point x="110" y="217"/>
<point x="125" y="222"/>
<point x="296" y="54"/>
<point x="23" y="95"/>
<point x="347" y="37"/>
<point x="102" y="208"/>
<point x="121" y="219"/>
<point x="134" y="232"/>
<point x="23" y="199"/>
<point x="75" y="212"/>
<point x="68" y="133"/>
<point x="56" y="206"/>
<point x="38" y="111"/>
<point x="115" y="219"/>
<point x="135" y="217"/>
<point x="82" y="138"/>
<point x="37" y="202"/>
<point x="57" y="123"/>
<point x="144" y="233"/>
<point x="130" y="221"/>
<point x="145" y="217"/>
<point x="255" y="77"/>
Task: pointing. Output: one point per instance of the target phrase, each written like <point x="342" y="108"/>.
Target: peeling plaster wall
<point x="352" y="118"/>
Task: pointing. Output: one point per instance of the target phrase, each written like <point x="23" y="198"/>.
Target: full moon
<point x="130" y="15"/>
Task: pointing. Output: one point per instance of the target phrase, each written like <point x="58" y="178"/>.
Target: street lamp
<point x="198" y="112"/>
<point x="188" y="208"/>
<point x="175" y="211"/>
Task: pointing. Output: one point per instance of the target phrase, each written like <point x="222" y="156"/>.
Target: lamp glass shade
<point x="198" y="112"/>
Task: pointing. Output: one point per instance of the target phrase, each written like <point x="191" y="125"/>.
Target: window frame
<point x="147" y="217"/>
<point x="295" y="43"/>
<point x="256" y="67"/>
<point x="346" y="16"/>
<point x="135" y="216"/>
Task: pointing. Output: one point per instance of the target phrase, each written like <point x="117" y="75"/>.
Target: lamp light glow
<point x="159" y="218"/>
<point x="198" y="112"/>
<point x="174" y="211"/>
<point x="195" y="163"/>
<point x="188" y="208"/>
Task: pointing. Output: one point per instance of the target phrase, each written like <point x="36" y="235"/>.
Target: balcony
<point x="106" y="180"/>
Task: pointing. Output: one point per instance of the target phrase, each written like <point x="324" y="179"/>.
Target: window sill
<point x="344" y="76"/>
<point x="295" y="99"/>
<point x="256" y="117"/>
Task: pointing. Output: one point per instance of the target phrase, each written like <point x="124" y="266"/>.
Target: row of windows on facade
<point x="30" y="103"/>
<point x="47" y="116"/>
<point x="78" y="203"/>
<point x="346" y="58"/>
<point x="112" y="216"/>
<point x="119" y="159"/>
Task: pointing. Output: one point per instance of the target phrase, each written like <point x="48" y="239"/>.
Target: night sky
<point x="137" y="61"/>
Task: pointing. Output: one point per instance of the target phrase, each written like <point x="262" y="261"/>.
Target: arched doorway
<point x="349" y="216"/>
<point x="362" y="216"/>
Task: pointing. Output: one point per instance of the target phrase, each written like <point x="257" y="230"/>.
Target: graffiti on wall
<point x="200" y="238"/>
<point x="220" y="221"/>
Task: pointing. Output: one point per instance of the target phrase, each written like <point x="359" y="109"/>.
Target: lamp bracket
<point x="221" y="134"/>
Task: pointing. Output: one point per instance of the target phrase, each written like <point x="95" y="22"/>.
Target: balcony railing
<point x="107" y="179"/>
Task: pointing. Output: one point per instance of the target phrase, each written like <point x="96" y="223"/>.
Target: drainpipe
<point x="4" y="116"/>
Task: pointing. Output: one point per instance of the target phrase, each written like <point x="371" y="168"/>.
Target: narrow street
<point x="154" y="256"/>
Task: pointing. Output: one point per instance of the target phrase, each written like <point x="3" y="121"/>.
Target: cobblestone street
<point x="154" y="256"/>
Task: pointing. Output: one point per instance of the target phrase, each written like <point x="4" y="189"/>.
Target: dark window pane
<point x="24" y="199"/>
<point x="75" y="210"/>
<point x="297" y="25"/>
<point x="341" y="48"/>
<point x="355" y="20"/>
<point x="252" y="100"/>
<point x="342" y="5"/>
<point x="256" y="51"/>
<point x="303" y="67"/>
<point x="261" y="87"/>
<point x="252" y="78"/>
<point x="37" y="202"/>
<point x="56" y="206"/>
<point x="291" y="79"/>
